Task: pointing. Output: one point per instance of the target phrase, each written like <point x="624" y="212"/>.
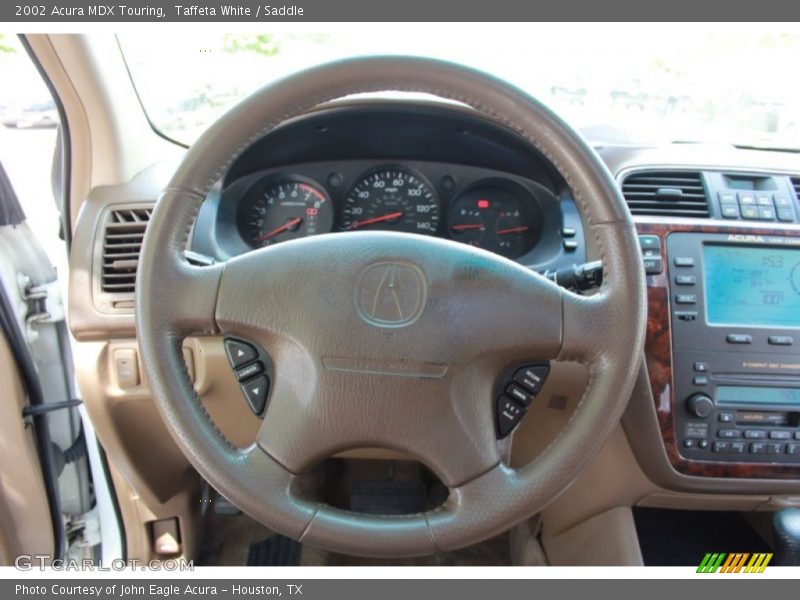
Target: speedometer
<point x="391" y="198"/>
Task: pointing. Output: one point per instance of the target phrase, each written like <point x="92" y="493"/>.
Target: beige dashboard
<point x="157" y="486"/>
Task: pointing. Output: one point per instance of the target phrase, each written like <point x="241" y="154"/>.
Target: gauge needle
<point x="513" y="230"/>
<point x="288" y="225"/>
<point x="465" y="226"/>
<point x="389" y="217"/>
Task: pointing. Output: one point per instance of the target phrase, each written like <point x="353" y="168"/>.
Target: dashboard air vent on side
<point x="676" y="193"/>
<point x="122" y="241"/>
<point x="796" y="186"/>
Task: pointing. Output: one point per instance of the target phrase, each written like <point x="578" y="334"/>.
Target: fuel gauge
<point x="496" y="217"/>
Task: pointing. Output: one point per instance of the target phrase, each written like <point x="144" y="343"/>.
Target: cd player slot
<point x="777" y="379"/>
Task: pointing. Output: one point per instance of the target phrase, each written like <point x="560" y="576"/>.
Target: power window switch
<point x="126" y="367"/>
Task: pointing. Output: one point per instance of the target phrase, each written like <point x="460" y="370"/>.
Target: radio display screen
<point x="733" y="395"/>
<point x="752" y="286"/>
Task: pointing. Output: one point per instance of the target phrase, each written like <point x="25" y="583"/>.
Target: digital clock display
<point x="752" y="286"/>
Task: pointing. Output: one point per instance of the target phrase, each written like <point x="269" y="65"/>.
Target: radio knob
<point x="700" y="405"/>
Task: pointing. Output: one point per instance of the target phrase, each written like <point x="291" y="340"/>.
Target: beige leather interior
<point x="589" y="523"/>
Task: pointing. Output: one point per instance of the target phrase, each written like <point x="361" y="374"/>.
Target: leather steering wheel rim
<point x="481" y="311"/>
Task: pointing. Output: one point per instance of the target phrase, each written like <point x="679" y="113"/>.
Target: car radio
<point x="735" y="313"/>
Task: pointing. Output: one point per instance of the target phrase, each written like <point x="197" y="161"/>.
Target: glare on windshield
<point x="626" y="83"/>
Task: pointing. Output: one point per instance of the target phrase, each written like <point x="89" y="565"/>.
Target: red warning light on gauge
<point x="483" y="203"/>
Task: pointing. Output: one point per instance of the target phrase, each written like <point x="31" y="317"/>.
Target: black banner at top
<point x="266" y="11"/>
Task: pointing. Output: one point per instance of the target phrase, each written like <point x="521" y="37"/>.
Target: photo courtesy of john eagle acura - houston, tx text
<point x="395" y="295"/>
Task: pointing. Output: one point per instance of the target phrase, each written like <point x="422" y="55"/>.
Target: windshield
<point x="619" y="83"/>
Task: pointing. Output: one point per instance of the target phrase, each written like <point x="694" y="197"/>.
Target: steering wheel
<point x="422" y="385"/>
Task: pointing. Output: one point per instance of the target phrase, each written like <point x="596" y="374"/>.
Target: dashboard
<point x="721" y="343"/>
<point x="389" y="176"/>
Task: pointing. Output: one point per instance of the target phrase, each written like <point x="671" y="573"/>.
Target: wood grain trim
<point x="658" y="356"/>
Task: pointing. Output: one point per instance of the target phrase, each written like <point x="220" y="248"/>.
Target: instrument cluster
<point x="498" y="212"/>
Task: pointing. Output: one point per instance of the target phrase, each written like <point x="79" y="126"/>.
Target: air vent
<point x="676" y="193"/>
<point x="796" y="186"/>
<point x="122" y="242"/>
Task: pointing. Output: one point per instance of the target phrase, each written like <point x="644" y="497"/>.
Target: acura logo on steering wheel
<point x="391" y="294"/>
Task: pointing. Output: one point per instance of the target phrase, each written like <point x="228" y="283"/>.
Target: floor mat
<point x="275" y="551"/>
<point x="682" y="537"/>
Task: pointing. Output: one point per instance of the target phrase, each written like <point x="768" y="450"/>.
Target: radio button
<point x="786" y="214"/>
<point x="249" y="371"/>
<point x="747" y="199"/>
<point x="726" y="197"/>
<point x="702" y="444"/>
<point x="780" y="435"/>
<point x="688" y="443"/>
<point x="782" y="201"/>
<point x="684" y="261"/>
<point x="738" y="447"/>
<point x="686" y="315"/>
<point x="239" y="353"/>
<point x="701" y="367"/>
<point x="726" y="417"/>
<point x="729" y="433"/>
<point x="766" y="213"/>
<point x="700" y="380"/>
<point x="729" y="211"/>
<point x="764" y="199"/>
<point x="739" y="338"/>
<point x="758" y="448"/>
<point x="721" y="447"/>
<point x="749" y="212"/>
<point x="797" y="435"/>
<point x="792" y="448"/>
<point x="775" y="448"/>
<point x="780" y="340"/>
<point x="686" y="298"/>
<point x="755" y="434"/>
<point x="685" y="280"/>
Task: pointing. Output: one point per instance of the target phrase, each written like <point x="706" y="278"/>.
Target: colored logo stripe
<point x="711" y="562"/>
<point x="734" y="562"/>
<point x="758" y="563"/>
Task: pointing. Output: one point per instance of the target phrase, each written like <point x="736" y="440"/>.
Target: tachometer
<point x="276" y="210"/>
<point x="391" y="198"/>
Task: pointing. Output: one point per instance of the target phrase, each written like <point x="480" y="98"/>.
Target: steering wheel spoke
<point x="187" y="294"/>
